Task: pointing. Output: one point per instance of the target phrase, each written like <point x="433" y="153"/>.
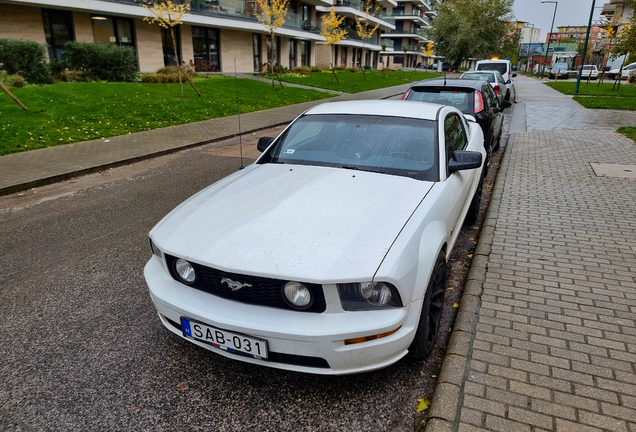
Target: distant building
<point x="575" y="33"/>
<point x="615" y="14"/>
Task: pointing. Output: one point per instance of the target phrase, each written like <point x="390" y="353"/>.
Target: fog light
<point x="185" y="271"/>
<point x="376" y="293"/>
<point x="297" y="295"/>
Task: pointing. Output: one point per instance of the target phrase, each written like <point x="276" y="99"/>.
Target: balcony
<point x="355" y="8"/>
<point x="247" y="10"/>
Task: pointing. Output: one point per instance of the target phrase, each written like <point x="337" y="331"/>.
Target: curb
<point x="445" y="410"/>
<point x="19" y="187"/>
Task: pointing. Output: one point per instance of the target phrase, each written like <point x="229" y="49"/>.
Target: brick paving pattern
<point x="554" y="345"/>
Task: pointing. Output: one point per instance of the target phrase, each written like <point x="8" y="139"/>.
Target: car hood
<point x="304" y="223"/>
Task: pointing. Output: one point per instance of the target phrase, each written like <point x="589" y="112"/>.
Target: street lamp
<point x="587" y="39"/>
<point x="556" y="5"/>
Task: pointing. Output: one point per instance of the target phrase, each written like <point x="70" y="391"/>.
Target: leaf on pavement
<point x="423" y="404"/>
<point x="137" y="410"/>
<point x="455" y="305"/>
<point x="182" y="386"/>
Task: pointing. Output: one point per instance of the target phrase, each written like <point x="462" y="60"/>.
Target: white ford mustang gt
<point x="328" y="254"/>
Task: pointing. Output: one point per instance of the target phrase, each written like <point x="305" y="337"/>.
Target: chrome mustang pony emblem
<point x="234" y="285"/>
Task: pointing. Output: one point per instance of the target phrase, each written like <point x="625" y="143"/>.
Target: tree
<point x="274" y="14"/>
<point x="429" y="51"/>
<point x="467" y="28"/>
<point x="579" y="51"/>
<point x="625" y="43"/>
<point x="366" y="31"/>
<point x="510" y="46"/>
<point x="168" y="14"/>
<point x="332" y="32"/>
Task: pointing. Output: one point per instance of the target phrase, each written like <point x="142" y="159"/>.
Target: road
<point x="81" y="347"/>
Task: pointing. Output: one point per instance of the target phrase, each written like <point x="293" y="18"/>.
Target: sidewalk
<point x="21" y="171"/>
<point x="545" y="339"/>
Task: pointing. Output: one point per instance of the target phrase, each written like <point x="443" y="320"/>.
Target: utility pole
<point x="545" y="61"/>
<point x="587" y="39"/>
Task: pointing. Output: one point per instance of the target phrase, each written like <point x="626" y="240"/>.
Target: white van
<point x="501" y="66"/>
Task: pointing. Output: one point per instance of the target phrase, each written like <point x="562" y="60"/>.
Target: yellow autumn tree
<point x="429" y="51"/>
<point x="365" y="30"/>
<point x="332" y="32"/>
<point x="273" y="16"/>
<point x="168" y="14"/>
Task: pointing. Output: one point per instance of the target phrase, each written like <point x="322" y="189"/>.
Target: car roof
<point x="389" y="108"/>
<point x="461" y="83"/>
<point x="493" y="61"/>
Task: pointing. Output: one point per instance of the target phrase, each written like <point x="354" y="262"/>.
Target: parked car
<point x="494" y="78"/>
<point x="422" y="65"/>
<point x="503" y="67"/>
<point x="433" y="66"/>
<point x="559" y="70"/>
<point x="624" y="73"/>
<point x="589" y="71"/>
<point x="328" y="254"/>
<point x="472" y="97"/>
<point x="446" y="66"/>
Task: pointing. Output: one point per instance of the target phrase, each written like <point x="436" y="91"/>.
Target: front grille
<point x="263" y="292"/>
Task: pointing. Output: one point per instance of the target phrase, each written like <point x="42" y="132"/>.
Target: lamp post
<point x="587" y="39"/>
<point x="545" y="61"/>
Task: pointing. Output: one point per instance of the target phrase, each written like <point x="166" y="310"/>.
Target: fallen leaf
<point x="423" y="404"/>
<point x="182" y="386"/>
<point x="469" y="256"/>
<point x="544" y="259"/>
<point x="449" y="288"/>
<point x="137" y="410"/>
<point x="455" y="305"/>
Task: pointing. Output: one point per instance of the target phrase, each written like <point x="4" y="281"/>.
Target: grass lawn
<point x="607" y="102"/>
<point x="352" y="82"/>
<point x="592" y="89"/>
<point x="71" y="112"/>
<point x="628" y="131"/>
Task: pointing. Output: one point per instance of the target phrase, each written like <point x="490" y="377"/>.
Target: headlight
<point x="297" y="295"/>
<point x="369" y="295"/>
<point x="185" y="271"/>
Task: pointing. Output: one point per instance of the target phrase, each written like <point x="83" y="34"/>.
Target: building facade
<point x="574" y="33"/>
<point x="218" y="33"/>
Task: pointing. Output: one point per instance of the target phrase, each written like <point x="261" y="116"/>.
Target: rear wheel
<point x="475" y="204"/>
<point x="431" y="315"/>
<point x="497" y="142"/>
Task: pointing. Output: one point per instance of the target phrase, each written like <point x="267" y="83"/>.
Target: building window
<point x="305" y="13"/>
<point x="305" y="53"/>
<point x="58" y="31"/>
<point x="167" y="44"/>
<point x="256" y="49"/>
<point x="292" y="54"/>
<point x="343" y="56"/>
<point x="113" y="31"/>
<point x="205" y="44"/>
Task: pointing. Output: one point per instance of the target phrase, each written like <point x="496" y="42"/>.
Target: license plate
<point x="228" y="341"/>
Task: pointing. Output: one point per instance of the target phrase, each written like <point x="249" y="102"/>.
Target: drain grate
<point x="614" y="170"/>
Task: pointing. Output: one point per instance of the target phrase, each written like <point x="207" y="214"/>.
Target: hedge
<point x="102" y="62"/>
<point x="27" y="59"/>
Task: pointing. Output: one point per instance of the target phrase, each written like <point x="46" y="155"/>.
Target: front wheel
<point x="431" y="315"/>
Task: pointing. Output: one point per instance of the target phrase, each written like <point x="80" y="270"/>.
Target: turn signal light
<point x="368" y="338"/>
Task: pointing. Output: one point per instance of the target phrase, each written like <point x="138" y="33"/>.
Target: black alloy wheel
<point x="431" y="315"/>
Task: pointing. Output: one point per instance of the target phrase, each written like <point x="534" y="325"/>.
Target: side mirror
<point x="464" y="160"/>
<point x="263" y="143"/>
<point x="514" y="75"/>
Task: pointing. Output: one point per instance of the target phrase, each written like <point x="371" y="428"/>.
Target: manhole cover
<point x="614" y="170"/>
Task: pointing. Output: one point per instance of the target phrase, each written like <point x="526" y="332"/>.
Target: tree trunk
<point x="176" y="59"/>
<point x="364" y="77"/>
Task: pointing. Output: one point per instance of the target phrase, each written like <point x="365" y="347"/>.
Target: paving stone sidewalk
<point x="545" y="339"/>
<point x="24" y="170"/>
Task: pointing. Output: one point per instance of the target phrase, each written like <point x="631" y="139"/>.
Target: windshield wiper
<point x="350" y="167"/>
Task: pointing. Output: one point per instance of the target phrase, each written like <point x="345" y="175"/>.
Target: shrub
<point x="14" y="80"/>
<point x="172" y="70"/>
<point x="280" y="69"/>
<point x="315" y="69"/>
<point x="340" y="68"/>
<point x="27" y="59"/>
<point x="352" y="69"/>
<point x="303" y="70"/>
<point x="161" y="78"/>
<point x="102" y="62"/>
<point x="57" y="66"/>
<point x="367" y="67"/>
<point x="70" y="76"/>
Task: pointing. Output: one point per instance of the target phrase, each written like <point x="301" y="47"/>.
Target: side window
<point x="454" y="134"/>
<point x="493" y="102"/>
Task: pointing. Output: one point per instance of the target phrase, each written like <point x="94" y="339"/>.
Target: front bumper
<point x="299" y="341"/>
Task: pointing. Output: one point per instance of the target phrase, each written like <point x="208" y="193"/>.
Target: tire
<point x="475" y="204"/>
<point x="431" y="314"/>
<point x="507" y="97"/>
<point x="497" y="142"/>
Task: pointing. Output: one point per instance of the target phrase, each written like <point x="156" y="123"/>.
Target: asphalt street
<point x="81" y="347"/>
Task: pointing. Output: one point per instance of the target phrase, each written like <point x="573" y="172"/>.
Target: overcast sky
<point x="569" y="12"/>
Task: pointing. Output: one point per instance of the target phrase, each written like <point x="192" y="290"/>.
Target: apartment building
<point x="217" y="33"/>
<point x="575" y="33"/>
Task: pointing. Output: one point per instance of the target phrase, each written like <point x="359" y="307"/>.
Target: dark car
<point x="446" y="66"/>
<point x="560" y="70"/>
<point x="472" y="97"/>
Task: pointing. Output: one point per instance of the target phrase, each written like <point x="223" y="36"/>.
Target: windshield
<point x="390" y="145"/>
<point x="561" y="66"/>
<point x="502" y="68"/>
<point x="460" y="98"/>
<point x="489" y="77"/>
